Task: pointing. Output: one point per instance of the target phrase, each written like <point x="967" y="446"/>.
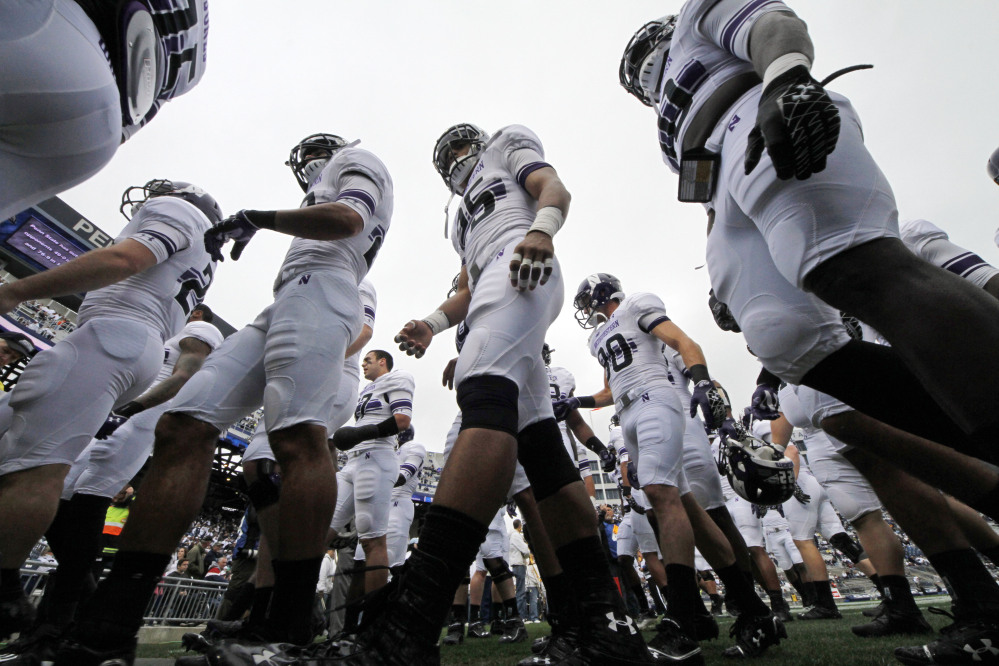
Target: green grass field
<point x="817" y="642"/>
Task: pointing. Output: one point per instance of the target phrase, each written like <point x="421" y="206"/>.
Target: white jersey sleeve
<point x="411" y="457"/>
<point x="199" y="330"/>
<point x="649" y="311"/>
<point x="932" y="244"/>
<point x="369" y="302"/>
<point x="562" y="383"/>
<point x="354" y="178"/>
<point x="522" y="152"/>
<point x="163" y="295"/>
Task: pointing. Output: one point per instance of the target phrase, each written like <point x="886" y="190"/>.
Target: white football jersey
<point x="199" y="330"/>
<point x="411" y="457"/>
<point x="369" y="301"/>
<point x="495" y="208"/>
<point x="562" y="385"/>
<point x="774" y="519"/>
<point x="182" y="55"/>
<point x="358" y="179"/>
<point x="930" y="242"/>
<point x="710" y="46"/>
<point x="628" y="352"/>
<point x="390" y="394"/>
<point x="163" y="295"/>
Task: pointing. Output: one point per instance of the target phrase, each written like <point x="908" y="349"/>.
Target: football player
<point x="80" y="78"/>
<point x="290" y="359"/>
<point x="509" y="293"/>
<point x="811" y="213"/>
<point x="140" y="290"/>
<point x="626" y="338"/>
<point x="364" y="485"/>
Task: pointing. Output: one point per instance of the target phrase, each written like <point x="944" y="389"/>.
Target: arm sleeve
<point x="369" y="301"/>
<point x="522" y="152"/>
<point x="728" y="23"/>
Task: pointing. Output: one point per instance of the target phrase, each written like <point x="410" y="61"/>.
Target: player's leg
<point x="376" y="471"/>
<point x="459" y="615"/>
<point x="401" y="514"/>
<point x="61" y="116"/>
<point x="476" y="588"/>
<point x="979" y="533"/>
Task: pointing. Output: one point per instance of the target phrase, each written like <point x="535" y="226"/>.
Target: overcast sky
<point x="395" y="75"/>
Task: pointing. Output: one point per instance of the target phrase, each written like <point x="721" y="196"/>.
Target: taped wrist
<point x="437" y="321"/>
<point x="594" y="444"/>
<point x="129" y="409"/>
<point x="489" y="402"/>
<point x="587" y="402"/>
<point x="262" y="219"/>
<point x="548" y="220"/>
<point x="544" y="458"/>
<point x="699" y="373"/>
<point x="783" y="64"/>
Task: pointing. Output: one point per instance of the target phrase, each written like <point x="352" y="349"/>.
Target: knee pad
<point x="266" y="490"/>
<point x="499" y="571"/>
<point x="844" y="544"/>
<point x="544" y="458"/>
<point x="489" y="402"/>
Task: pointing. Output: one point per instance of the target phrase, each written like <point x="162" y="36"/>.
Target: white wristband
<point x="783" y="64"/>
<point x="437" y="321"/>
<point x="548" y="220"/>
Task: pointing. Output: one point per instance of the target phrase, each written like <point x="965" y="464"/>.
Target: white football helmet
<point x="645" y="58"/>
<point x="133" y="198"/>
<point x="455" y="170"/>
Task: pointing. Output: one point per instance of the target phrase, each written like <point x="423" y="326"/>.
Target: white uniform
<point x="410" y="456"/>
<point x="364" y="485"/>
<point x="562" y="384"/>
<point x="847" y="489"/>
<point x="506" y="327"/>
<point x="780" y="539"/>
<point x="346" y="396"/>
<point x="291" y="357"/>
<point x="698" y="465"/>
<point x="64" y="395"/>
<point x="741" y="510"/>
<point x="635" y="534"/>
<point x="769" y="234"/>
<point x="519" y="483"/>
<point x="107" y="465"/>
<point x="932" y="243"/>
<point x="61" y="118"/>
<point x="646" y="401"/>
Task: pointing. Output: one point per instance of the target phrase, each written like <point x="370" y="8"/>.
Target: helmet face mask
<point x="757" y="471"/>
<point x="595" y="291"/>
<point x="454" y="169"/>
<point x="134" y="197"/>
<point x="311" y="154"/>
<point x="645" y="58"/>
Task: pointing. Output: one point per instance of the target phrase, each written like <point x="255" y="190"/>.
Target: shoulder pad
<point x="358" y="160"/>
<point x="397" y="380"/>
<point x="515" y="137"/>
<point x="202" y="330"/>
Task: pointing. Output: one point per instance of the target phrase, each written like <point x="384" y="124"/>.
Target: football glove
<point x="635" y="506"/>
<point x="759" y="510"/>
<point x="801" y="495"/>
<point x="732" y="429"/>
<point x="117" y="419"/>
<point x="607" y="460"/>
<point x="237" y="228"/>
<point x="713" y="406"/>
<point x="722" y="315"/>
<point x="564" y="406"/>
<point x="797" y="123"/>
<point x="511" y="509"/>
<point x="765" y="404"/>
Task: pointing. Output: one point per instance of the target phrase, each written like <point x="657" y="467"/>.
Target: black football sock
<point x="973" y="591"/>
<point x="459" y="613"/>
<point x="776" y="600"/>
<point x="989" y="505"/>
<point x="809" y="595"/>
<point x="448" y="543"/>
<point x="240" y="602"/>
<point x="878" y="583"/>
<point x="561" y="607"/>
<point x="682" y="599"/>
<point x="474" y="611"/>
<point x="114" y="614"/>
<point x="258" y="611"/>
<point x="496" y="612"/>
<point x="639" y="592"/>
<point x="75" y="538"/>
<point x="290" y="615"/>
<point x="585" y="563"/>
<point x="742" y="590"/>
<point x="824" y="597"/>
<point x="898" y="594"/>
<point x="510" y="608"/>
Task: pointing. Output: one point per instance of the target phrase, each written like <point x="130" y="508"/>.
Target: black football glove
<point x="798" y="124"/>
<point x="801" y="495"/>
<point x="713" y="405"/>
<point x="764" y="404"/>
<point x="635" y="506"/>
<point x="722" y="315"/>
<point x="564" y="406"/>
<point x="237" y="228"/>
<point x="117" y="419"/>
<point x="608" y="461"/>
<point x="759" y="510"/>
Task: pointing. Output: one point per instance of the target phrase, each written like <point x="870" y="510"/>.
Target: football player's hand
<point x="448" y="379"/>
<point x="608" y="461"/>
<point x="722" y="315"/>
<point x="713" y="405"/>
<point x="798" y="124"/>
<point x="237" y="228"/>
<point x="760" y="510"/>
<point x="564" y="406"/>
<point x="532" y="261"/>
<point x="801" y="495"/>
<point x="731" y="429"/>
<point x="111" y="423"/>
<point x="415" y="337"/>
<point x="635" y="506"/>
<point x="511" y="509"/>
<point x="765" y="404"/>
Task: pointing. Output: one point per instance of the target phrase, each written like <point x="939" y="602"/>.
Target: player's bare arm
<point x="416" y="335"/>
<point x="93" y="270"/>
<point x="193" y="353"/>
<point x="360" y="341"/>
<point x="448" y="378"/>
<point x="532" y="260"/>
<point x="673" y="336"/>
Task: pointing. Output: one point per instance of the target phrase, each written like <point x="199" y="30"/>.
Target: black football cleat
<point x="975" y="642"/>
<point x="516" y="632"/>
<point x="540" y="644"/>
<point x="821" y="613"/>
<point x="705" y="627"/>
<point x="455" y="634"/>
<point x="497" y="628"/>
<point x="556" y="650"/>
<point x="75" y="654"/>
<point x="609" y="639"/>
<point x="876" y="611"/>
<point x="753" y="635"/>
<point x="478" y="629"/>
<point x="894" y="623"/>
<point x="672" y="645"/>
